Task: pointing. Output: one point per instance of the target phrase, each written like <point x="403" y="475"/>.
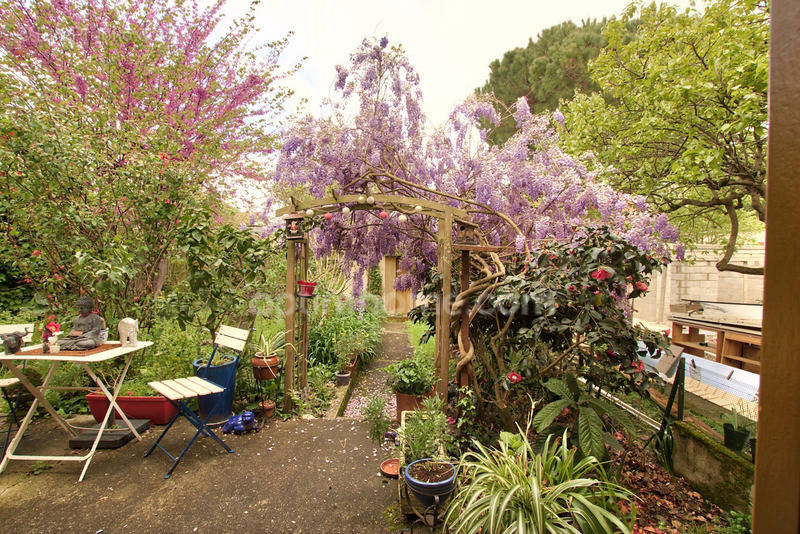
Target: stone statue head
<point x="85" y="305"/>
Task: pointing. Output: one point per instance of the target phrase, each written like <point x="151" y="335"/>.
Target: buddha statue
<point x="85" y="333"/>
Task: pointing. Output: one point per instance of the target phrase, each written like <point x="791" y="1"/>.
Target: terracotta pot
<point x="265" y="368"/>
<point x="268" y="407"/>
<point x="410" y="402"/>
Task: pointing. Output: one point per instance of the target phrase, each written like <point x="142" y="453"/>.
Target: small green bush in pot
<point x="412" y="376"/>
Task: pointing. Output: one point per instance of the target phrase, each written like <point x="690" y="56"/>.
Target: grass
<point x="415" y="332"/>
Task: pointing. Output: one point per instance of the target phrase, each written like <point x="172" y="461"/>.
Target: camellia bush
<point x="117" y="119"/>
<point x="563" y="309"/>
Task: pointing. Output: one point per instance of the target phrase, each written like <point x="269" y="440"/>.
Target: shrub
<point x="375" y="415"/>
<point x="512" y="489"/>
<point x="426" y="432"/>
<point x="412" y="376"/>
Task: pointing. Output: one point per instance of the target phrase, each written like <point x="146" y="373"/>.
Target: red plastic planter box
<point x="157" y="409"/>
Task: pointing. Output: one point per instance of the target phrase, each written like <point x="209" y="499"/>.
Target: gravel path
<point x="372" y="382"/>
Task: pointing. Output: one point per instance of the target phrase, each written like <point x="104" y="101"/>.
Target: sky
<point x="450" y="43"/>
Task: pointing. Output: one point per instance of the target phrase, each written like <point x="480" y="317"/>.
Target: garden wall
<point x="720" y="475"/>
<point x="700" y="279"/>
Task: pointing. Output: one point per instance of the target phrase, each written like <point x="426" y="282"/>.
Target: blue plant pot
<point x="219" y="405"/>
<point x="426" y="492"/>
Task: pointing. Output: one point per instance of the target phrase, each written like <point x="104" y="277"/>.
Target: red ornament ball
<point x="383" y="215"/>
<point x="328" y="216"/>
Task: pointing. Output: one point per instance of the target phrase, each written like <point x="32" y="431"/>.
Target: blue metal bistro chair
<point x="180" y="390"/>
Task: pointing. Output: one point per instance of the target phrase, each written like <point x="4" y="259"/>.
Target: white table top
<point x="68" y="356"/>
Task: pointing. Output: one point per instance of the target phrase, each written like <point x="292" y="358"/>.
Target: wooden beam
<point x="289" y="350"/>
<point x="478" y="248"/>
<point x="777" y="480"/>
<point x="321" y="205"/>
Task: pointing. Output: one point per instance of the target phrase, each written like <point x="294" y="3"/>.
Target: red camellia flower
<point x="36" y="253"/>
<point x="27" y="280"/>
<point x="451" y="421"/>
<point x="600" y="274"/>
<point x="514" y="377"/>
<point x="572" y="288"/>
<point x="641" y="286"/>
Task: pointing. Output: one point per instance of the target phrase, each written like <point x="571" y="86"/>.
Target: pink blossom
<point x="514" y="377"/>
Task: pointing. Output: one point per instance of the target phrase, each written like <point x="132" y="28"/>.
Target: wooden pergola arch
<point x="449" y="217"/>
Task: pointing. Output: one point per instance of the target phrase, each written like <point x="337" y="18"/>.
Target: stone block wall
<point x="698" y="278"/>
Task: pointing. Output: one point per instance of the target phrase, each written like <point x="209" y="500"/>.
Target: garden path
<point x="372" y="381"/>
<point x="300" y="476"/>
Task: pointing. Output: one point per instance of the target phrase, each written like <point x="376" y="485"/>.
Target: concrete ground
<point x="299" y="476"/>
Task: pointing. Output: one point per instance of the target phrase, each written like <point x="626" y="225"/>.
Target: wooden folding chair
<point x="7" y="383"/>
<point x="179" y="391"/>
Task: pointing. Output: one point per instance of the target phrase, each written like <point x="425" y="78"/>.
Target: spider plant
<point x="514" y="490"/>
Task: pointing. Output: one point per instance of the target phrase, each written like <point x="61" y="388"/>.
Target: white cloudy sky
<point x="450" y="43"/>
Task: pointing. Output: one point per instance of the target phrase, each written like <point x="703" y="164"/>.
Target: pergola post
<point x="777" y="480"/>
<point x="445" y="241"/>
<point x="464" y="333"/>
<point x="289" y="350"/>
<point x="303" y="379"/>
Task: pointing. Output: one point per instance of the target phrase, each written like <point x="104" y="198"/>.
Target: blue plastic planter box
<point x="225" y="377"/>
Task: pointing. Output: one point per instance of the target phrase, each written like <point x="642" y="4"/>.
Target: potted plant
<point x="411" y="380"/>
<point x="735" y="431"/>
<point x="424" y="438"/>
<point x="342" y="370"/>
<point x="266" y="360"/>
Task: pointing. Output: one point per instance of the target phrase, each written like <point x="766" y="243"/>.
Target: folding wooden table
<point x="111" y="391"/>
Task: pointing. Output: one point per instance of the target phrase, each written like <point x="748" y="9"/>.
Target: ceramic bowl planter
<point x="265" y="368"/>
<point x="306" y="288"/>
<point x="342" y="379"/>
<point x="430" y="481"/>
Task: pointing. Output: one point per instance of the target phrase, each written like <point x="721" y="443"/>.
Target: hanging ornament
<point x="403" y="218"/>
<point x="361" y="199"/>
<point x="417" y="208"/>
<point x="345" y="210"/>
<point x="309" y="212"/>
<point x="383" y="215"/>
<point x="370" y="200"/>
<point x="328" y="216"/>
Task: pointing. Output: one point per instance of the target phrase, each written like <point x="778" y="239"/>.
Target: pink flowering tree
<point x="372" y="137"/>
<point x="118" y="118"/>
